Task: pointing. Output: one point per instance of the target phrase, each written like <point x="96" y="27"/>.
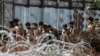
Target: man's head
<point x="71" y="24"/>
<point x="49" y="28"/>
<point x="15" y="22"/>
<point x="65" y="26"/>
<point x="28" y="25"/>
<point x="90" y="19"/>
<point x="41" y="23"/>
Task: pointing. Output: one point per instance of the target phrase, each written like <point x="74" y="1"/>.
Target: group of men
<point x="68" y="32"/>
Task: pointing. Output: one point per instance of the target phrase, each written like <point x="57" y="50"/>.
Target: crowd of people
<point x="31" y="30"/>
<point x="68" y="32"/>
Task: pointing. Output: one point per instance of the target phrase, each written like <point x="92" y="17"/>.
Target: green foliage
<point x="97" y="2"/>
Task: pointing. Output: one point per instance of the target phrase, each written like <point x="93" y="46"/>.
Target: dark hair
<point x="90" y="18"/>
<point x="65" y="25"/>
<point x="15" y="20"/>
<point x="45" y="26"/>
<point x="41" y="23"/>
<point x="49" y="26"/>
<point x="71" y="23"/>
<point x="27" y="24"/>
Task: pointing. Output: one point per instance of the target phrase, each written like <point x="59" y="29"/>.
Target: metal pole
<point x="42" y="14"/>
<point x="3" y="7"/>
<point x="42" y="10"/>
<point x="58" y="14"/>
<point x="13" y="10"/>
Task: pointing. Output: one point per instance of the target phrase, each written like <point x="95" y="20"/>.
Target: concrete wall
<point x="55" y="17"/>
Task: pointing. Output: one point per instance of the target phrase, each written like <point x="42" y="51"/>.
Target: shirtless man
<point x="90" y="25"/>
<point x="65" y="33"/>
